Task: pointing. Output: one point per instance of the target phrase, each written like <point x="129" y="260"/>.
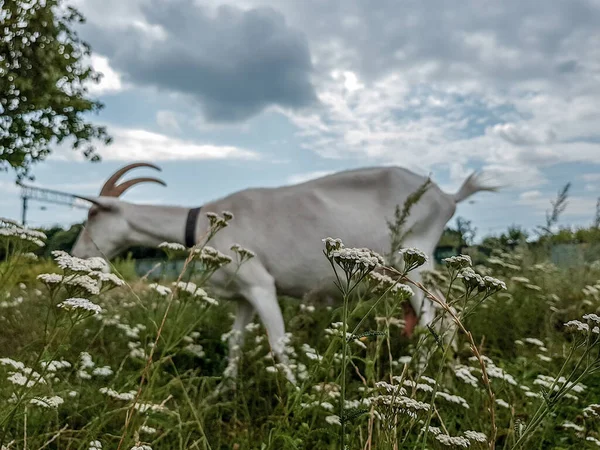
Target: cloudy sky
<point x="228" y="95"/>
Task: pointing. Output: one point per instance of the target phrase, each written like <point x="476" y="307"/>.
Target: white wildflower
<point x="427" y="379"/>
<point x="95" y="445"/>
<point x="463" y="373"/>
<point x="107" y="278"/>
<point x="104" y="371"/>
<point x="148" y="430"/>
<point x="418" y="386"/>
<point x="453" y="398"/>
<point x="458" y="262"/>
<point x="140" y="446"/>
<point x="145" y="407"/>
<point x="534" y="342"/>
<point x="475" y="436"/>
<point x="413" y="258"/>
<point x="333" y="420"/>
<point x="53" y="366"/>
<point x="50" y="278"/>
<point x="162" y="290"/>
<point x="593" y="439"/>
<point x="592" y="318"/>
<point x="126" y="396"/>
<point x="11" y="362"/>
<point x="76" y="303"/>
<point x="453" y="441"/>
<point x="572" y="426"/>
<point x="592" y="411"/>
<point x="172" y="246"/>
<point x="502" y="403"/>
<point x="47" y="402"/>
<point x="243" y="252"/>
<point x="521" y="280"/>
<point x="85" y="282"/>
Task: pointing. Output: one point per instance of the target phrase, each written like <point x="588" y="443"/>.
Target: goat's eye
<point x="92" y="213"/>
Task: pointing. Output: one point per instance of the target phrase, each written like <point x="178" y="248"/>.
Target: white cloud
<point x="110" y="81"/>
<point x="167" y="120"/>
<point x="591" y="177"/>
<point x="576" y="206"/>
<point x="138" y="144"/>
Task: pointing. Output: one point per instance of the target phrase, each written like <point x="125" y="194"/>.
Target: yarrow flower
<point x="413" y="258"/>
<point x="140" y="446"/>
<point x="10" y="229"/>
<point x="355" y="262"/>
<point x="75" y="303"/>
<point x="95" y="445"/>
<point x="471" y="279"/>
<point x="217" y="222"/>
<point x="84" y="282"/>
<point x="453" y="441"/>
<point x="110" y="278"/>
<point x="452" y="399"/>
<point x="74" y="264"/>
<point x="211" y="257"/>
<point x="50" y="278"/>
<point x="333" y="420"/>
<point x="592" y="411"/>
<point x="126" y="396"/>
<point x="53" y="366"/>
<point x="244" y="253"/>
<point x="493" y="284"/>
<point x="47" y="402"/>
<point x="195" y="291"/>
<point x="162" y="290"/>
<point x="458" y="262"/>
<point x="475" y="436"/>
<point x="104" y="371"/>
<point x="175" y="246"/>
<point x="383" y="283"/>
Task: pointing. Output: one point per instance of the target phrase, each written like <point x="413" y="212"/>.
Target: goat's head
<point x="107" y="231"/>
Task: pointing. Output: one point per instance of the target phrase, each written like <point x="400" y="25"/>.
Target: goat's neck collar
<point x="190" y="227"/>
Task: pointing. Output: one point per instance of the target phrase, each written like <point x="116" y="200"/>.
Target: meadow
<point x="91" y="360"/>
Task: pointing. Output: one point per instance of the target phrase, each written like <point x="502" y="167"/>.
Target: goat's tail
<point x="472" y="185"/>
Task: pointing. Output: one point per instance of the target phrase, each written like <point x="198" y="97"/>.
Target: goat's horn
<point x="118" y="190"/>
<point x="107" y="189"/>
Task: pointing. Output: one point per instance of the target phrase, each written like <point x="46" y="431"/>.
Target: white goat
<point x="284" y="226"/>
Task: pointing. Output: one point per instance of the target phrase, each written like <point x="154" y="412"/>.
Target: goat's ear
<point x="97" y="201"/>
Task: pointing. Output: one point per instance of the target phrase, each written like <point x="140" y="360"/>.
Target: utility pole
<point x="47" y="196"/>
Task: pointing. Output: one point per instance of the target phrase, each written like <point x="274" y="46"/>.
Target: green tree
<point x="43" y="84"/>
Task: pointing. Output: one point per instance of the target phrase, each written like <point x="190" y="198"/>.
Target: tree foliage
<point x="44" y="79"/>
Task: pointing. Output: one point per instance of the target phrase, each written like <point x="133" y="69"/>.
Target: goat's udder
<point x="410" y="319"/>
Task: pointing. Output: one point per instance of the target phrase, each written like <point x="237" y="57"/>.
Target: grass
<point x="143" y="373"/>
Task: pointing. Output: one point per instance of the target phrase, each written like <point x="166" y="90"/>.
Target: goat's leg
<point x="243" y="317"/>
<point x="264" y="300"/>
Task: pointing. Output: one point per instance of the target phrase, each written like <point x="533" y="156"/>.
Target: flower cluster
<point x="592" y="323"/>
<point x="475" y="282"/>
<point x="80" y="305"/>
<point x="243" y="253"/>
<point x="355" y="262"/>
<point x="458" y="262"/>
<point x="218" y="222"/>
<point x="195" y="291"/>
<point x="384" y="283"/>
<point x="11" y="230"/>
<point x="212" y="258"/>
<point x="413" y="258"/>
<point x="73" y="264"/>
